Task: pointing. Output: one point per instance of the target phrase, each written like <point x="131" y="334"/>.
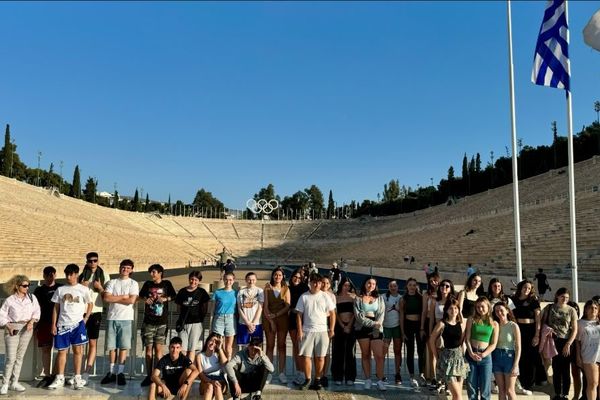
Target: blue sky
<point x="176" y="96"/>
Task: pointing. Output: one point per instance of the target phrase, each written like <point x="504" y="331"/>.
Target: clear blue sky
<point x="177" y="96"/>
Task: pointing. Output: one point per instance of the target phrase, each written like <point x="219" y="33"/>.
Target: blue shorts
<point x="70" y="336"/>
<point x="243" y="336"/>
<point x="503" y="361"/>
<point x="224" y="325"/>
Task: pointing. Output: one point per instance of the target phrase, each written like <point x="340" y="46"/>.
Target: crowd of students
<point x="486" y="338"/>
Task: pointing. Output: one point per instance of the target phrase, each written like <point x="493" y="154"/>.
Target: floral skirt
<point x="452" y="364"/>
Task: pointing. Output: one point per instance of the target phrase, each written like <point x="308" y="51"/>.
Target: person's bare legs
<point x="319" y="365"/>
<point x="77" y="358"/>
<point x="365" y="357"/>
<point x="91" y="354"/>
<point x="592" y="371"/>
<point x="377" y="347"/>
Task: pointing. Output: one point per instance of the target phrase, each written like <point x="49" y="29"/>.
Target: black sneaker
<point x="324" y="381"/>
<point x="147" y="381"/>
<point x="257" y="397"/>
<point x="121" y="379"/>
<point x="304" y="385"/>
<point x="46" y="381"/>
<point x="398" y="379"/>
<point x="316" y="385"/>
<point x="109" y="378"/>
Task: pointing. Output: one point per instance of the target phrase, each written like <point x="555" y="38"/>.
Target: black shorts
<point x="93" y="325"/>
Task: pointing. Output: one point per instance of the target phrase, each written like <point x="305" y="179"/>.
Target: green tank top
<point x="481" y="332"/>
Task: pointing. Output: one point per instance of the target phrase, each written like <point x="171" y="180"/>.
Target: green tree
<point x="116" y="199"/>
<point x="296" y="205"/>
<point x="330" y="205"/>
<point x="478" y="163"/>
<point x="391" y="191"/>
<point x="169" y="210"/>
<point x="7" y="153"/>
<point x="135" y="206"/>
<point x="76" y="186"/>
<point x="89" y="192"/>
<point x="597" y="109"/>
<point x="147" y="204"/>
<point x="207" y="204"/>
<point x="316" y="203"/>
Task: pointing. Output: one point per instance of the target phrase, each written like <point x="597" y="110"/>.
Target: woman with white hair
<point x="17" y="315"/>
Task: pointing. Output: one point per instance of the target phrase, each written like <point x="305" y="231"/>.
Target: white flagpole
<point x="571" y="177"/>
<point x="513" y="125"/>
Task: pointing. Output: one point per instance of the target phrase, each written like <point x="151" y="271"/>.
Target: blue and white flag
<point x="551" y="60"/>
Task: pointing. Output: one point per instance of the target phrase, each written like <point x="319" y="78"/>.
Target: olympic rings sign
<point x="262" y="206"/>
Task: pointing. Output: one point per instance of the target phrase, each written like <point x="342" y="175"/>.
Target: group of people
<point x="488" y="338"/>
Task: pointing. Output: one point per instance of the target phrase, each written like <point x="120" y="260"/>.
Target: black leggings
<point x="343" y="359"/>
<point x="412" y="332"/>
<point x="252" y="381"/>
<point x="561" y="366"/>
<point x="530" y="364"/>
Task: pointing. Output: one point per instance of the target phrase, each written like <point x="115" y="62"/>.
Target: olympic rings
<point x="262" y="205"/>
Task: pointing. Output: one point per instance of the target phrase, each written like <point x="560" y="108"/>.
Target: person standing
<point x="223" y="322"/>
<point x="543" y="285"/>
<point x="411" y="309"/>
<point x="506" y="356"/>
<point x="369" y="311"/>
<point x="312" y="311"/>
<point x="93" y="277"/>
<point x="156" y="294"/>
<point x="452" y="367"/>
<point x="588" y="347"/>
<point x="250" y="300"/>
<point x="343" y="363"/>
<point x="192" y="302"/>
<point x="275" y="319"/>
<point x="72" y="309"/>
<point x="121" y="294"/>
<point x="43" y="330"/>
<point x="335" y="274"/>
<point x="469" y="295"/>
<point x="18" y="314"/>
<point x="481" y="339"/>
<point x="297" y="287"/>
<point x="392" y="333"/>
<point x="562" y="320"/>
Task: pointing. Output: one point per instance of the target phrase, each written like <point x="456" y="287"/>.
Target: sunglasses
<point x="25" y="285"/>
<point x="93" y="260"/>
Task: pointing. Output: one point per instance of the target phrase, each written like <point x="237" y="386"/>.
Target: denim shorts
<point x="503" y="361"/>
<point x="224" y="324"/>
<point x="118" y="335"/>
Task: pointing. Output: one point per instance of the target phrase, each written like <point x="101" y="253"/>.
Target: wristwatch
<point x="185" y="383"/>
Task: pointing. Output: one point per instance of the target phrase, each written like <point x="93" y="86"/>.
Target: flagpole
<point x="513" y="125"/>
<point x="571" y="177"/>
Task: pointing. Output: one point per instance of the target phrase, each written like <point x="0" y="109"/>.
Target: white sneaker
<point x="58" y="383"/>
<point x="338" y="383"/>
<point x="381" y="385"/>
<point x="4" y="389"/>
<point x="269" y="379"/>
<point x="282" y="378"/>
<point x="17" y="387"/>
<point x="78" y="382"/>
<point x="525" y="392"/>
<point x="495" y="389"/>
<point x="71" y="381"/>
<point x="414" y="383"/>
<point x="368" y="384"/>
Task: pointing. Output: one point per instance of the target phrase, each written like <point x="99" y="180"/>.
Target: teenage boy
<point x="249" y="303"/>
<point x="121" y="294"/>
<point x="43" y="330"/>
<point x="248" y="370"/>
<point x="72" y="309"/>
<point x="314" y="335"/>
<point x="174" y="374"/>
<point x="156" y="294"/>
<point x="93" y="277"/>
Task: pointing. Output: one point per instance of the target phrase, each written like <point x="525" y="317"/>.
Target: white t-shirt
<point x="248" y="300"/>
<point x="119" y="287"/>
<point x="73" y="301"/>
<point x="210" y="365"/>
<point x="315" y="309"/>
<point x="588" y="333"/>
<point x="392" y="311"/>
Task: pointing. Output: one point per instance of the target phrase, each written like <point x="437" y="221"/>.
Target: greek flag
<point x="551" y="60"/>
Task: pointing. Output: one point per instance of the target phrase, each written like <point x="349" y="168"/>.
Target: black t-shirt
<point x="335" y="274"/>
<point x="196" y="302"/>
<point x="229" y="268"/>
<point x="525" y="309"/>
<point x="157" y="313"/>
<point x="171" y="370"/>
<point x="44" y="297"/>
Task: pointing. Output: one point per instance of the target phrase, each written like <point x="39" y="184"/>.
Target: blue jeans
<point x="479" y="379"/>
